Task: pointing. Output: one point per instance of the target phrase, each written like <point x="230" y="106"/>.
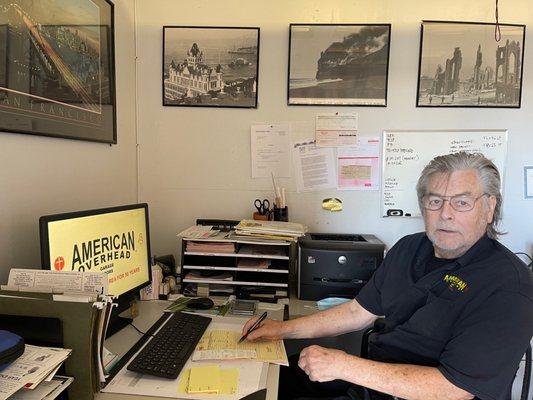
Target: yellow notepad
<point x="229" y="380"/>
<point x="209" y="379"/>
<point x="204" y="379"/>
<point x="224" y="345"/>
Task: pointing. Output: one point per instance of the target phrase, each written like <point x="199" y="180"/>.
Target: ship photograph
<point x="210" y="66"/>
<point x="338" y="64"/>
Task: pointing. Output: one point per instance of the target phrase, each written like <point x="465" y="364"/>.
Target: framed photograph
<point x="3" y="56"/>
<point x="462" y="65"/>
<point x="59" y="79"/>
<point x="338" y="64"/>
<point x="210" y="66"/>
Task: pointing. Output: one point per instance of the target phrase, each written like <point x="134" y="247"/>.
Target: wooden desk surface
<point x="149" y="313"/>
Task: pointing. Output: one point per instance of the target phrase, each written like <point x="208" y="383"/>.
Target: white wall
<point x="195" y="162"/>
<point x="40" y="175"/>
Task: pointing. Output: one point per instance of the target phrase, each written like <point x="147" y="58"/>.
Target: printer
<point x="336" y="265"/>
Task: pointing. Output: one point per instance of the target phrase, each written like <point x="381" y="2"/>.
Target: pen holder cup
<point x="262" y="217"/>
<point x="281" y="214"/>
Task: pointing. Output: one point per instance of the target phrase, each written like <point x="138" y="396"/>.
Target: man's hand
<point x="267" y="330"/>
<point x="322" y="364"/>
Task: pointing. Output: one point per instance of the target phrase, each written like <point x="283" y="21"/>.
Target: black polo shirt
<point x="471" y="318"/>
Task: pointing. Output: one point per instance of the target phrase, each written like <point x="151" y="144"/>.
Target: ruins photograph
<point x="463" y="65"/>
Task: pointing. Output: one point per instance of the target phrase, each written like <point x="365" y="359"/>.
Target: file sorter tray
<point x="78" y="330"/>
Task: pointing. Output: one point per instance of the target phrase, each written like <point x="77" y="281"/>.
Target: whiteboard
<point x="406" y="153"/>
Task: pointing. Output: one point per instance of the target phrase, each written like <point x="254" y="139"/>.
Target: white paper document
<point x="358" y="166"/>
<point x="336" y="130"/>
<point x="528" y="182"/>
<point x="199" y="232"/>
<point x="270" y="147"/>
<point x="58" y="281"/>
<point x="314" y="167"/>
<point x="30" y="369"/>
<point x="47" y="390"/>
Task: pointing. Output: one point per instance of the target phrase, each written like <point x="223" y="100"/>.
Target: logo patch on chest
<point x="455" y="283"/>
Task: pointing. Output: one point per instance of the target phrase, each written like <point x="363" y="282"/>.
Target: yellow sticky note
<point x="229" y="381"/>
<point x="204" y="379"/>
<point x="183" y="384"/>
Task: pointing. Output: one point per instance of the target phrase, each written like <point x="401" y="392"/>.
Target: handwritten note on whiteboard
<point x="406" y="153"/>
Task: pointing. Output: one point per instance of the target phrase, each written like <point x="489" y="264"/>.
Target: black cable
<point x="138" y="330"/>
<point x="497" y="32"/>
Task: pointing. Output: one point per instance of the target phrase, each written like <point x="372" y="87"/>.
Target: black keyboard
<point x="168" y="351"/>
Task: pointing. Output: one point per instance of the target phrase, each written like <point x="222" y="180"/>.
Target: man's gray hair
<point x="489" y="178"/>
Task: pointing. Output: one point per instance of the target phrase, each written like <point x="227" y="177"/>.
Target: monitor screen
<point x="111" y="240"/>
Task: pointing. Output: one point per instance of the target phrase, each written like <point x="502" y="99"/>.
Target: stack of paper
<point x="210" y="247"/>
<point x="81" y="286"/>
<point x="47" y="390"/>
<point x="258" y="250"/>
<point x="199" y="232"/>
<point x="271" y="229"/>
<point x="36" y="365"/>
<point x="222" y="344"/>
<point x="209" y="379"/>
<point x="219" y="276"/>
<point x="210" y="278"/>
<point x="254" y="263"/>
<point x="104" y="358"/>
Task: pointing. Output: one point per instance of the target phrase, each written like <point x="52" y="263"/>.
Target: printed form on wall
<point x="314" y="166"/>
<point x="270" y="147"/>
<point x="358" y="166"/>
<point x="528" y="182"/>
<point x="336" y="130"/>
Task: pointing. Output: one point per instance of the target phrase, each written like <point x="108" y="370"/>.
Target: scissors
<point x="263" y="207"/>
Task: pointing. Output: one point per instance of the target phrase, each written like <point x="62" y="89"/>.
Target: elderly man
<point x="458" y="305"/>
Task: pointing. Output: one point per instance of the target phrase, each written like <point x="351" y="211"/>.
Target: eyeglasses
<point x="459" y="203"/>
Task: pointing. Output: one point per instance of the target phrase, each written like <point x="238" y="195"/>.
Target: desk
<point x="349" y="342"/>
<point x="149" y="313"/>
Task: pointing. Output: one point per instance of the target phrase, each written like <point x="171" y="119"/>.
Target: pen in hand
<point x="253" y="327"/>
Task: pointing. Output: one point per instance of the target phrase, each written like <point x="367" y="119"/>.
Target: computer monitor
<point x="113" y="240"/>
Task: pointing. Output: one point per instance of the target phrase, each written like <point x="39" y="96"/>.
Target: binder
<point x="75" y="328"/>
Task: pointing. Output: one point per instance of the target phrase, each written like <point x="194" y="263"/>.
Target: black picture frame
<point x="210" y="66"/>
<point x="3" y="55"/>
<point x="338" y="64"/>
<point x="450" y="48"/>
<point x="60" y="78"/>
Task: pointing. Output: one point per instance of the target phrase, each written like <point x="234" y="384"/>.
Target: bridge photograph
<point x="59" y="63"/>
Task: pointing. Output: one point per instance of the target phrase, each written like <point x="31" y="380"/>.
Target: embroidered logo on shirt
<point x="455" y="283"/>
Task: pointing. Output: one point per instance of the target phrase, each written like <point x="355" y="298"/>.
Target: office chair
<point x="379" y="324"/>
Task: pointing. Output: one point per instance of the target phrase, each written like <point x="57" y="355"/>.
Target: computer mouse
<point x="200" y="303"/>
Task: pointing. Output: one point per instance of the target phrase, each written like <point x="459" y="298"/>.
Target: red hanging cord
<point x="497" y="32"/>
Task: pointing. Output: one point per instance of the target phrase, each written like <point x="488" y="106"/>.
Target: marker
<point x="253" y="327"/>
